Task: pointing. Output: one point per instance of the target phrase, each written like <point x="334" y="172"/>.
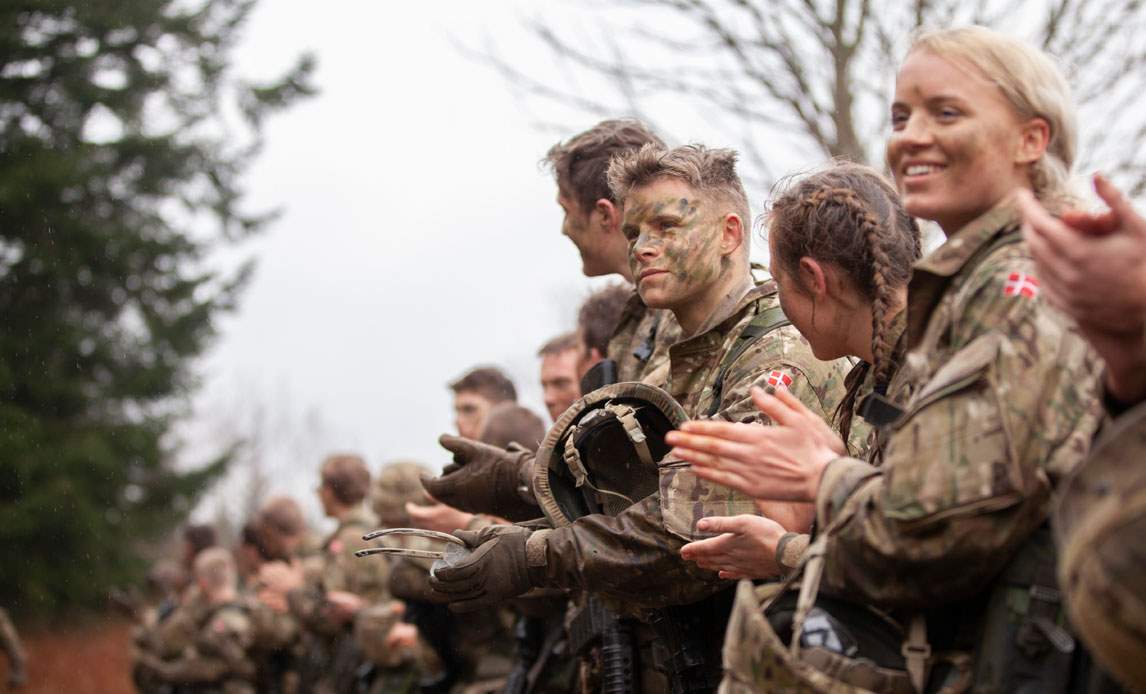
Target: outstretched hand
<point x="1092" y="266"/>
<point x="746" y="547"/>
<point x="781" y="462"/>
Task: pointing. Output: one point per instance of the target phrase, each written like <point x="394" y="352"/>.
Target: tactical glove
<point x="485" y="479"/>
<point x="495" y="569"/>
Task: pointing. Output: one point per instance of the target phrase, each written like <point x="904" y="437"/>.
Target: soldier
<point x="597" y="320"/>
<point x="217" y="659"/>
<point x="996" y="400"/>
<point x="475" y="394"/>
<point x="327" y="594"/>
<point x="593" y="223"/>
<point x="560" y="378"/>
<point x="684" y="212"/>
<point x="840" y="241"/>
<point x="1093" y="266"/>
<point x="10" y="644"/>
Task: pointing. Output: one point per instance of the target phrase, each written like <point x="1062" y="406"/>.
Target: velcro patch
<point x="1018" y="284"/>
<point x="778" y="379"/>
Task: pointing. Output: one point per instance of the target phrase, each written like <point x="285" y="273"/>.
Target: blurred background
<point x="236" y="236"/>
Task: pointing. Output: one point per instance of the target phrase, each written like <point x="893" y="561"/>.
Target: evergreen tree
<point x="119" y="176"/>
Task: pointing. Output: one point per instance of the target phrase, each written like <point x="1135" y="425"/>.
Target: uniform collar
<point x="960" y="247"/>
<point x="715" y="335"/>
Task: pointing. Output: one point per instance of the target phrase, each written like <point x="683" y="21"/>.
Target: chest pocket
<point x="952" y="451"/>
<point x="686" y="498"/>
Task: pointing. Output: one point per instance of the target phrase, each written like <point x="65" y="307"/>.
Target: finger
<point x="732" y="575"/>
<point x="1090" y="223"/>
<point x="700" y="459"/>
<point x="711" y="444"/>
<point x="1123" y="210"/>
<point x="439" y="486"/>
<point x="730" y="431"/>
<point x="703" y="548"/>
<point x="1059" y="237"/>
<point x="780" y="405"/>
<point x="457" y="445"/>
<point x="722" y="524"/>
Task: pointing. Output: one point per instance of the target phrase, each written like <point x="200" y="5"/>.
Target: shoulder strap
<point x="761" y="324"/>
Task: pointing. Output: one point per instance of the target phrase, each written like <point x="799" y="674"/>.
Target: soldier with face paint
<point x="684" y="219"/>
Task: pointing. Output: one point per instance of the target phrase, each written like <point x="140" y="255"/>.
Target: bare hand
<point x="280" y="577"/>
<point x="341" y="606"/>
<point x="438" y="516"/>
<point x="403" y="636"/>
<point x="745" y="549"/>
<point x="1092" y="266"/>
<point x="781" y="462"/>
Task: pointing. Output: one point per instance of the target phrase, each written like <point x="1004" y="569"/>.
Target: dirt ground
<point x="91" y="659"/>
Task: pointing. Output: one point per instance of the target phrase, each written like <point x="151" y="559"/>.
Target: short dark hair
<point x="199" y="537"/>
<point x="580" y="164"/>
<point x="559" y="344"/>
<point x="598" y="317"/>
<point x="488" y="382"/>
<point x="347" y="476"/>
<point x="283" y="515"/>
<point x="508" y="423"/>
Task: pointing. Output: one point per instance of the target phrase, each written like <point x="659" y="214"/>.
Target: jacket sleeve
<point x="634" y="557"/>
<point x="967" y="471"/>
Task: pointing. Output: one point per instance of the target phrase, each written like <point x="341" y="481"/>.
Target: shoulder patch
<point x="778" y="379"/>
<point x="1018" y="284"/>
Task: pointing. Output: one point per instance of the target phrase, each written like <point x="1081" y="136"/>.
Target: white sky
<point x="419" y="237"/>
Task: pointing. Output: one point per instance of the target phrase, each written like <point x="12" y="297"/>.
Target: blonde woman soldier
<point x="944" y="524"/>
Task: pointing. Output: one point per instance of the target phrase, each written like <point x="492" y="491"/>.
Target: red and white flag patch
<point x="778" y="379"/>
<point x="1018" y="284"/>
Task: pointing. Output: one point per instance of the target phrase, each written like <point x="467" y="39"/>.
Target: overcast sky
<point x="418" y="237"/>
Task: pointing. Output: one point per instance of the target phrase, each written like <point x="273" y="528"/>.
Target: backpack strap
<point x="761" y="324"/>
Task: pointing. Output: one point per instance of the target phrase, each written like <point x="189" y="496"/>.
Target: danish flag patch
<point x="1018" y="284"/>
<point x="778" y="379"/>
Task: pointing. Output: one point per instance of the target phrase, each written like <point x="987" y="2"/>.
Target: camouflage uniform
<point x="1000" y="401"/>
<point x="1100" y="524"/>
<point x="641" y="340"/>
<point x="10" y="644"/>
<point x="634" y="557"/>
<point x="331" y="656"/>
<point x="216" y="660"/>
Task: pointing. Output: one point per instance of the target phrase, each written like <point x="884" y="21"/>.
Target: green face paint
<point x="674" y="239"/>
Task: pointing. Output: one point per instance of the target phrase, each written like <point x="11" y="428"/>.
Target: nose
<point x="644" y="250"/>
<point x="915" y="133"/>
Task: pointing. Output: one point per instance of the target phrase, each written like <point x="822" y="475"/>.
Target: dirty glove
<point x="486" y="479"/>
<point x="496" y="568"/>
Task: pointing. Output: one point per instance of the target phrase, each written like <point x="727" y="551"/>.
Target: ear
<point x="813" y="277"/>
<point x="1034" y="137"/>
<point x="610" y="215"/>
<point x="732" y="234"/>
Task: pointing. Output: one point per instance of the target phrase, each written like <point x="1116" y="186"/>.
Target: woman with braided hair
<point x="943" y="525"/>
<point x="841" y="248"/>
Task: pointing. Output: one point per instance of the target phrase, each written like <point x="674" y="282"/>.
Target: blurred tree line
<point x="123" y="137"/>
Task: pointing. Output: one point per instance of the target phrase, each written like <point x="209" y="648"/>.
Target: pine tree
<point x="119" y="177"/>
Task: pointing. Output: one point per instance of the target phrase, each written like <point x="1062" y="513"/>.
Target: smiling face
<point x="674" y="236"/>
<point x="957" y="146"/>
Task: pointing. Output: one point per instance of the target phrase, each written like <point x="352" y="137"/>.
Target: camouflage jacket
<point x="337" y="569"/>
<point x="1000" y="400"/>
<point x="641" y="340"/>
<point x="219" y="654"/>
<point x="634" y="557"/>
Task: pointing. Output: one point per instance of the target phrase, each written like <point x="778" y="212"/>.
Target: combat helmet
<point x="781" y="640"/>
<point x="397" y="483"/>
<point x="600" y="456"/>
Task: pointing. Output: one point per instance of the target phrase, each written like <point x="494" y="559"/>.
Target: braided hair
<point x="850" y="216"/>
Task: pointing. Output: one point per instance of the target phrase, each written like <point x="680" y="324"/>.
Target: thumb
<point x="458" y="445"/>
<point x="418" y="512"/>
<point x="1114" y="198"/>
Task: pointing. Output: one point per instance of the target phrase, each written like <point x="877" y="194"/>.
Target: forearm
<point x="629" y="557"/>
<point x="874" y="557"/>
